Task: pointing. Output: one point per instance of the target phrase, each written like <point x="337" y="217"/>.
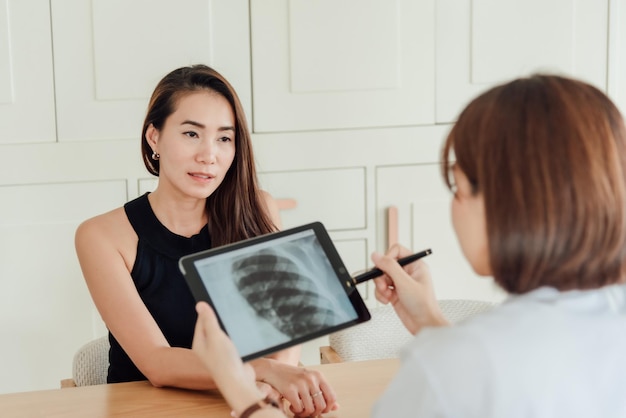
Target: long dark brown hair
<point x="236" y="210"/>
<point x="548" y="155"/>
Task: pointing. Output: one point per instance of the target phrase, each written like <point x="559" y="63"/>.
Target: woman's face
<point x="468" y="220"/>
<point x="196" y="144"/>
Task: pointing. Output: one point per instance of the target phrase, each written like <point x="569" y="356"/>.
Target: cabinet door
<point x="45" y="308"/>
<point x="329" y="64"/>
<point x="109" y="55"/>
<point x="424" y="222"/>
<point x="26" y="85"/>
<point x="484" y="42"/>
<point x="334" y="197"/>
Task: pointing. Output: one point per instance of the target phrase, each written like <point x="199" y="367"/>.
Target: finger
<point x="383" y="293"/>
<point x="308" y="406"/>
<point x="394" y="271"/>
<point x="204" y="309"/>
<point x="292" y="395"/>
<point x="396" y="251"/>
<point x="306" y="394"/>
<point x="383" y="283"/>
<point x="296" y="407"/>
<point x="319" y="402"/>
<point x="201" y="327"/>
<point x="330" y="399"/>
<point x="307" y="398"/>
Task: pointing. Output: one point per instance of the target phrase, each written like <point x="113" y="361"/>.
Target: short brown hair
<point x="548" y="155"/>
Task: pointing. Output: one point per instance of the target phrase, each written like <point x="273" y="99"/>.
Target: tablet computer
<point x="276" y="290"/>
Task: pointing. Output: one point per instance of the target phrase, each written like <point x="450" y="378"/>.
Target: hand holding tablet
<point x="277" y="290"/>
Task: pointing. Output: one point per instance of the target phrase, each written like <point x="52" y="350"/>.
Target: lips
<point x="202" y="176"/>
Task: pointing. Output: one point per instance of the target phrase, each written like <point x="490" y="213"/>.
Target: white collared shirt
<point x="543" y="354"/>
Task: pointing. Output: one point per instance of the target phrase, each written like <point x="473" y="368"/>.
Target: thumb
<point x="392" y="269"/>
<point x="206" y="319"/>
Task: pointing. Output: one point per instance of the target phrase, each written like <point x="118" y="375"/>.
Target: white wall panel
<point x="485" y="42"/>
<point x="365" y="57"/>
<point x="425" y="222"/>
<point x="26" y="84"/>
<point x="313" y="70"/>
<point x="525" y="47"/>
<point x="617" y="53"/>
<point x="46" y="312"/>
<point x="109" y="56"/>
<point x="354" y="254"/>
<point x="147" y="185"/>
<point x="334" y="197"/>
<point x="121" y="56"/>
<point x="6" y="76"/>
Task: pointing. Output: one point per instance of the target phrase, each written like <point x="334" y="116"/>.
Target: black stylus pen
<point x="376" y="272"/>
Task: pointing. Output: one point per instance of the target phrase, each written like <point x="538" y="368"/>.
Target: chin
<point x="480" y="264"/>
<point x="481" y="270"/>
<point x="195" y="194"/>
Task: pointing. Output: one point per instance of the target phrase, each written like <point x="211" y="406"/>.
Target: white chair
<point x="384" y="334"/>
<point x="90" y="365"/>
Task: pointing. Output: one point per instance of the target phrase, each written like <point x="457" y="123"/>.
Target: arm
<point x="235" y="380"/>
<point x="106" y="247"/>
<point x="409" y="290"/>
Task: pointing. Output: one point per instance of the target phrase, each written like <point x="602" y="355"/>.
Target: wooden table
<point x="357" y="384"/>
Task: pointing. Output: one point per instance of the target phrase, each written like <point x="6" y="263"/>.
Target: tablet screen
<point x="276" y="290"/>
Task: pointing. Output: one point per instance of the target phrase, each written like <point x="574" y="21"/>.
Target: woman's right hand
<point x="409" y="289"/>
<point x="307" y="391"/>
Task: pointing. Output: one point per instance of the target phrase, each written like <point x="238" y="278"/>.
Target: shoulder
<point x="108" y="229"/>
<point x="272" y="207"/>
<point x="102" y="223"/>
<point x="267" y="198"/>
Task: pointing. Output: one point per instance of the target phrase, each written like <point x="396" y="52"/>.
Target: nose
<point x="207" y="152"/>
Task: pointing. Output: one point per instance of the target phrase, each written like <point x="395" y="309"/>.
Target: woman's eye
<point x="191" y="134"/>
<point x="225" y="139"/>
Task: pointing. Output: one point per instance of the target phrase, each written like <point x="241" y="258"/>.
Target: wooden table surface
<point x="357" y="384"/>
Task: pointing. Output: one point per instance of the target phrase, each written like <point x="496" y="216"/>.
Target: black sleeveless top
<point x="160" y="284"/>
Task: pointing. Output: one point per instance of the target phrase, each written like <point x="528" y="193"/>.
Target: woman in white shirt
<point x="539" y="204"/>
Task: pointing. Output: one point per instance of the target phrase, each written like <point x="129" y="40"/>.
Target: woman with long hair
<point x="195" y="139"/>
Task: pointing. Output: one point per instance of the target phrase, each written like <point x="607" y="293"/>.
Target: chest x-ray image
<point x="276" y="293"/>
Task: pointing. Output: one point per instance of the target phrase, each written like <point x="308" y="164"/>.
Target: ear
<point x="152" y="136"/>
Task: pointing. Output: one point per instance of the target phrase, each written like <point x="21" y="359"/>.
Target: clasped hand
<point x="306" y="390"/>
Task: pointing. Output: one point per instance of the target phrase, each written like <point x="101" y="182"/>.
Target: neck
<point x="185" y="217"/>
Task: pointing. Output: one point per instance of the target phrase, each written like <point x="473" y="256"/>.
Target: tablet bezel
<point x="187" y="265"/>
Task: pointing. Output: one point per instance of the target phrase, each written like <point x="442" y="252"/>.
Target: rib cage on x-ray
<point x="280" y="288"/>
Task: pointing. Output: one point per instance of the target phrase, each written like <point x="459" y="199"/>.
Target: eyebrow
<point x="201" y="126"/>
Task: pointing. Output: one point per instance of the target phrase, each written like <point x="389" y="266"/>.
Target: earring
<point x="155" y="155"/>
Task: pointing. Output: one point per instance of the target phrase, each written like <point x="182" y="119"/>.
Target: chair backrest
<point x="91" y="363"/>
<point x="384" y="335"/>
